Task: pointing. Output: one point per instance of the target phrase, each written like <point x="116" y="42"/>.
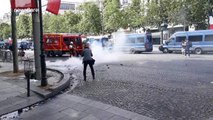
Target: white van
<point x="202" y="41"/>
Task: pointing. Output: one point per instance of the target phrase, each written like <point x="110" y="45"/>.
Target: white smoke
<point x="100" y="54"/>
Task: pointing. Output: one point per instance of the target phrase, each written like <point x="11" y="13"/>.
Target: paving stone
<point x="80" y="107"/>
<point x="121" y="112"/>
<point x="90" y="117"/>
<point x="116" y="117"/>
<point x="73" y="114"/>
<point x="99" y="105"/>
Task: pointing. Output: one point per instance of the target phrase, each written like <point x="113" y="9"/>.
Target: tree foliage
<point x="5" y="31"/>
<point x="112" y="15"/>
<point x="24" y="26"/>
<point x="135" y="14"/>
<point x="71" y="22"/>
<point x="197" y="13"/>
<point x="91" y="19"/>
<point x="185" y="12"/>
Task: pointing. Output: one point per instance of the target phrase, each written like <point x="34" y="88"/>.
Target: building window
<point x="66" y="6"/>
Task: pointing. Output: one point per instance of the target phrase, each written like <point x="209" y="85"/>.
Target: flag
<point x="23" y="4"/>
<point x="210" y="22"/>
<point x="53" y="6"/>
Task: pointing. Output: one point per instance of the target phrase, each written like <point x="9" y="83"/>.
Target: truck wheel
<point x="132" y="51"/>
<point x="165" y="50"/>
<point x="198" y="51"/>
<point x="48" y="54"/>
<point x="60" y="54"/>
<point x="52" y="53"/>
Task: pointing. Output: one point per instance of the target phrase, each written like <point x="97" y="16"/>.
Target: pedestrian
<point x="88" y="60"/>
<point x="183" y="47"/>
<point x="187" y="49"/>
<point x="71" y="49"/>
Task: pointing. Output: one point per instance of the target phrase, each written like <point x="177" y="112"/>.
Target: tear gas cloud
<point x="100" y="54"/>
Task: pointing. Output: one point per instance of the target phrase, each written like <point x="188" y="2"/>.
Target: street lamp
<point x="163" y="26"/>
<point x="42" y="56"/>
<point x="28" y="70"/>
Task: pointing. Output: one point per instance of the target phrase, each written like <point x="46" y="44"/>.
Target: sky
<point x="5" y="5"/>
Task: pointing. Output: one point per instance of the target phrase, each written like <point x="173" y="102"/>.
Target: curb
<point x="38" y="95"/>
<point x="53" y="90"/>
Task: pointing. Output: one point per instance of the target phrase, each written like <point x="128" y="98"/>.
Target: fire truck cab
<point x="62" y="43"/>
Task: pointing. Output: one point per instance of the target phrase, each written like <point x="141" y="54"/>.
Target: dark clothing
<point x="87" y="54"/>
<point x="87" y="59"/>
<point x="85" y="69"/>
<point x="187" y="48"/>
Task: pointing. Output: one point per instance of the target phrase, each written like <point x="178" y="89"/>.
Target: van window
<point x="49" y="41"/>
<point x="78" y="40"/>
<point x="209" y="38"/>
<point x="66" y="41"/>
<point x="131" y="40"/>
<point x="180" y="38"/>
<point x="55" y="41"/>
<point x="140" y="40"/>
<point x="195" y="38"/>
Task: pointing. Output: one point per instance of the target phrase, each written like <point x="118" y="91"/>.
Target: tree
<point x="24" y="26"/>
<point x="71" y="21"/>
<point x="197" y="13"/>
<point x="112" y="15"/>
<point x="157" y="13"/>
<point x="185" y="12"/>
<point x="91" y="18"/>
<point x="5" y="31"/>
<point x="135" y="14"/>
<point x="46" y="23"/>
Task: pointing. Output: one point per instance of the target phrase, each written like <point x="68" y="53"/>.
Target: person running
<point x="88" y="60"/>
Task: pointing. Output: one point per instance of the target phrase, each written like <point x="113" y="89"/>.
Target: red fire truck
<point x="62" y="43"/>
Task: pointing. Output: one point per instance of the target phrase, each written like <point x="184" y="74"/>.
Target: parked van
<point x="134" y="43"/>
<point x="202" y="41"/>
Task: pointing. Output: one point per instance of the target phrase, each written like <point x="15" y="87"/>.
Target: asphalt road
<point x="160" y="86"/>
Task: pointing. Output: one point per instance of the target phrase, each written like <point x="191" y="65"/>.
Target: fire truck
<point x="62" y="43"/>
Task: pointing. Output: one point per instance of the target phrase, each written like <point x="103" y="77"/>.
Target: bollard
<point x="28" y="83"/>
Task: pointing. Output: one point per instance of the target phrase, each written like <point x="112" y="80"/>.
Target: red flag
<point x="53" y="6"/>
<point x="211" y="22"/>
<point x="23" y="4"/>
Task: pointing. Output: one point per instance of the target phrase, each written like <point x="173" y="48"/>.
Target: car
<point x="2" y="43"/>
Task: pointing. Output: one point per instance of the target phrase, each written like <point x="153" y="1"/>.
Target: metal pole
<point x="161" y="41"/>
<point x="36" y="41"/>
<point x="208" y="14"/>
<point x="28" y="83"/>
<point x="42" y="56"/>
<point x="14" y="39"/>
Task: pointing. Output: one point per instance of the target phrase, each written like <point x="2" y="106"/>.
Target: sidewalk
<point x="70" y="107"/>
<point x="61" y="107"/>
<point x="13" y="88"/>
